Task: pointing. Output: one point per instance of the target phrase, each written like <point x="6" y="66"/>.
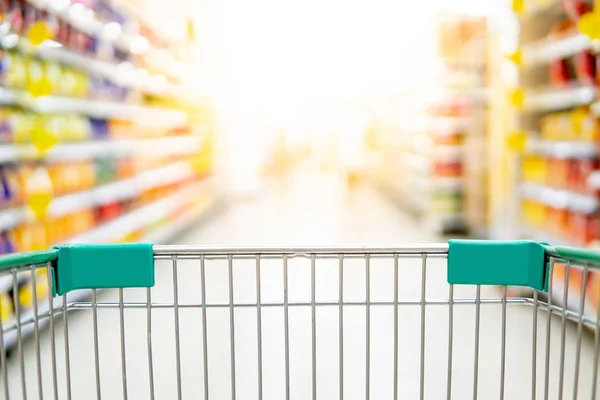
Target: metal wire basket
<point x="425" y="321"/>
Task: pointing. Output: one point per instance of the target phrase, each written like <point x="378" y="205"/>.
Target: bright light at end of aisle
<point x="304" y="66"/>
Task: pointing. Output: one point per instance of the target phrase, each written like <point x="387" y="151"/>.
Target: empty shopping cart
<point x="408" y="322"/>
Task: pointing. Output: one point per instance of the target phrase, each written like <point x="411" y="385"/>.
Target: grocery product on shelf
<point x="95" y="146"/>
<point x="557" y="77"/>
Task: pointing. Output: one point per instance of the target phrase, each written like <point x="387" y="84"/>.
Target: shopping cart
<point x="416" y="321"/>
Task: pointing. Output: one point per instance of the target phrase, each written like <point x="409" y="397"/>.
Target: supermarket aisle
<point x="309" y="211"/>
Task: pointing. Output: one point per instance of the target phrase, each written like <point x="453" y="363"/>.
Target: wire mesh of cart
<point x="427" y="321"/>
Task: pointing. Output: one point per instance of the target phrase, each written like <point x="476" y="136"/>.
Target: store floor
<point x="310" y="210"/>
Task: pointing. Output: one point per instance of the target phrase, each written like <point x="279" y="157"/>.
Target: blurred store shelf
<point x="93" y="108"/>
<point x="144" y="217"/>
<point x="539" y="235"/>
<point x="560" y="149"/>
<point x="138" y="219"/>
<point x="560" y="199"/>
<point x="108" y="193"/>
<point x="548" y="50"/>
<point x="552" y="99"/>
<point x="442" y="126"/>
<point x="173" y="145"/>
<point x="594" y="180"/>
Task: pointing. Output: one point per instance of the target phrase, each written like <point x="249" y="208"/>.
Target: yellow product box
<point x="583" y="125"/>
<point x="26" y="291"/>
<point x="533" y="169"/>
<point x="6" y="306"/>
<point x="533" y="213"/>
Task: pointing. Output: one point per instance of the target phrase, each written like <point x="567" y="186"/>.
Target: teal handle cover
<point x="100" y="266"/>
<point x="489" y="262"/>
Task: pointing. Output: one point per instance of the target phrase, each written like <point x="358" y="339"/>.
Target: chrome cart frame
<point x="415" y="321"/>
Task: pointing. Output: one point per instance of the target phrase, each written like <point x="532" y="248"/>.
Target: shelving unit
<point x="557" y="171"/>
<point x="99" y="142"/>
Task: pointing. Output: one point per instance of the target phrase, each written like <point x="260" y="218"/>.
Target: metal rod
<point x="423" y="288"/>
<point x="596" y="352"/>
<point x="414" y="249"/>
<point x="149" y="341"/>
<point x="579" y="332"/>
<point x="204" y="326"/>
<point x="341" y="326"/>
<point x="3" y="357"/>
<point x="96" y="352"/>
<point x="50" y="278"/>
<point x="534" y="346"/>
<point x="176" y="320"/>
<point x="503" y="344"/>
<point x="368" y="327"/>
<point x="36" y="333"/>
<point x="231" y="326"/>
<point x="259" y="329"/>
<point x="84" y="305"/>
<point x="450" y="339"/>
<point x="17" y="304"/>
<point x="314" y="327"/>
<point x="286" y="327"/>
<point x="395" y="327"/>
<point x="476" y="356"/>
<point x="548" y="331"/>
<point x="123" y="354"/>
<point x="563" y="334"/>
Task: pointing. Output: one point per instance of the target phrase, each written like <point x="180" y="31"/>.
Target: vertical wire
<point x="563" y="333"/>
<point x="423" y="287"/>
<point x="286" y="327"/>
<point x="204" y="327"/>
<point x="149" y="341"/>
<point x="596" y="352"/>
<point x="36" y="332"/>
<point x="368" y="326"/>
<point x="395" y="326"/>
<point x="313" y="326"/>
<point x="534" y="346"/>
<point x="476" y="356"/>
<point x="503" y="344"/>
<point x="123" y="354"/>
<point x="580" y="332"/>
<point x="51" y="329"/>
<point x="341" y="325"/>
<point x="3" y="356"/>
<point x="96" y="352"/>
<point x="450" y="339"/>
<point x="65" y="305"/>
<point x="176" y="320"/>
<point x="231" y="326"/>
<point x="16" y="298"/>
<point x="548" y="331"/>
<point x="259" y="329"/>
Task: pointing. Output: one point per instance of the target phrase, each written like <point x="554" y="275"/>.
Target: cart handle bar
<point x="471" y="262"/>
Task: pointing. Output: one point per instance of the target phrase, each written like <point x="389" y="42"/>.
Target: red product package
<point x="585" y="167"/>
<point x="559" y="72"/>
<point x="575" y="8"/>
<point x="585" y="67"/>
<point x="583" y="228"/>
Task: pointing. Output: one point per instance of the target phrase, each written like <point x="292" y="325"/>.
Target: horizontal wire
<point x="84" y="305"/>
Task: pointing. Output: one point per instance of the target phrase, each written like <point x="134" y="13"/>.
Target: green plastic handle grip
<point x="96" y="266"/>
<point x="28" y="258"/>
<point x="583" y="256"/>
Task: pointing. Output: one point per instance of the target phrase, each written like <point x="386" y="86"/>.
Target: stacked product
<point x="557" y="192"/>
<point x="86" y="155"/>
<point x="457" y="126"/>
